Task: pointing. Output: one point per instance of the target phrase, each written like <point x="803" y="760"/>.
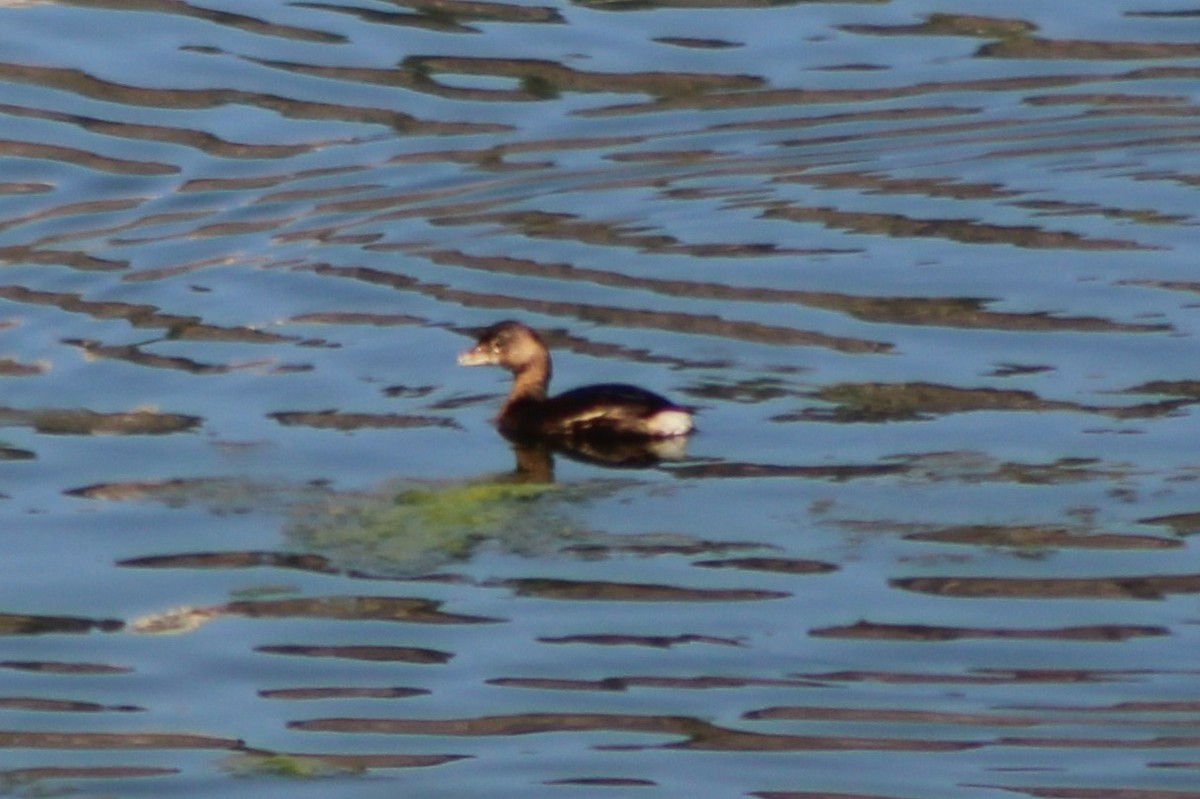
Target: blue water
<point x="927" y="274"/>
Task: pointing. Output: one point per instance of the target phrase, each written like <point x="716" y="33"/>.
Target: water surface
<point x="928" y="274"/>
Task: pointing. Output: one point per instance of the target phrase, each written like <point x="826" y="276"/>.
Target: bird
<point x="604" y="411"/>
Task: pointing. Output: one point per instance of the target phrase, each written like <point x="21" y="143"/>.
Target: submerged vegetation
<point x="414" y="527"/>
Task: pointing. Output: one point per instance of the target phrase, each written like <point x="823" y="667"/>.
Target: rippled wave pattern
<point x="930" y="278"/>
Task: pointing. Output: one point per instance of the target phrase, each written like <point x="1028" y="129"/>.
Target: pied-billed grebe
<point x="608" y="410"/>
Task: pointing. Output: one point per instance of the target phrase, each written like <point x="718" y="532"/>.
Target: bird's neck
<point x="530" y="381"/>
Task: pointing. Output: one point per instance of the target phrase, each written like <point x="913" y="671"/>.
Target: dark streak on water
<point x="930" y="277"/>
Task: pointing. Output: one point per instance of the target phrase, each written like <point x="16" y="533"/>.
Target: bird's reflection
<point x="535" y="455"/>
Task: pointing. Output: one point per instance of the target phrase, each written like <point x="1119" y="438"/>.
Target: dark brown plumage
<point x="608" y="410"/>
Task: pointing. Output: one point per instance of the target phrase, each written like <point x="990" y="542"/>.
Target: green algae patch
<point x="404" y="527"/>
<point x="295" y="767"/>
<point x="415" y="527"/>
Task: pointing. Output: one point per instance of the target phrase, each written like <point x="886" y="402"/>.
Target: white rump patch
<point x="669" y="424"/>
